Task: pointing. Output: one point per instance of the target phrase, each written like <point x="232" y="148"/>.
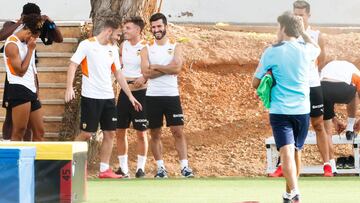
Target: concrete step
<point x="43" y="69"/>
<point x="48" y="135"/>
<point x="48" y="126"/>
<point x="54" y="59"/>
<point x="54" y="107"/>
<point x="47" y="85"/>
<point x="51" y="123"/>
<point x="57" y="47"/>
<point x="68" y="45"/>
<point x="69" y="29"/>
<point x="49" y="59"/>
<point x="47" y="119"/>
<point x="49" y="102"/>
<point x="52" y="126"/>
<point x="46" y="74"/>
<point x="52" y="55"/>
<point x="52" y="69"/>
<point x="48" y="91"/>
<point x="54" y="77"/>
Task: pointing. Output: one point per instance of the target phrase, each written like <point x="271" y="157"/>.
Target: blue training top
<point x="290" y="62"/>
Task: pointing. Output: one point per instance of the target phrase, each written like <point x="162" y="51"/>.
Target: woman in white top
<point x="21" y="71"/>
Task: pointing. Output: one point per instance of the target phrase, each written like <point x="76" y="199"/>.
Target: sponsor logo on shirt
<point x="171" y="51"/>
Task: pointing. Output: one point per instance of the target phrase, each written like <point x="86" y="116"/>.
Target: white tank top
<point x="314" y="71"/>
<point x="166" y="85"/>
<point x="28" y="79"/>
<point x="131" y="59"/>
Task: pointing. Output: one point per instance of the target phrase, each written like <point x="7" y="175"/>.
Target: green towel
<point x="264" y="89"/>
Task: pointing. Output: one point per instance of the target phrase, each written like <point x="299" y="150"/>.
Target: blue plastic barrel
<point x="17" y="179"/>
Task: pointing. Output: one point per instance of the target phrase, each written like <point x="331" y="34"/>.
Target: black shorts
<point x="5" y="103"/>
<point x="94" y="111"/>
<point x="127" y="114"/>
<point x="316" y="102"/>
<point x="336" y="93"/>
<point x="19" y="94"/>
<point x="289" y="129"/>
<point x="158" y="107"/>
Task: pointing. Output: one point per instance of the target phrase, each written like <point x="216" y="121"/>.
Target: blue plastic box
<point x="17" y="178"/>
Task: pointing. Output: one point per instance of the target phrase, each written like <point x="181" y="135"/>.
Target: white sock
<point x="287" y="195"/>
<point x="104" y="166"/>
<point x="123" y="160"/>
<point x="294" y="192"/>
<point x="327" y="163"/>
<point x="350" y="124"/>
<point x="333" y="165"/>
<point x="184" y="163"/>
<point x="141" y="160"/>
<point x="160" y="163"/>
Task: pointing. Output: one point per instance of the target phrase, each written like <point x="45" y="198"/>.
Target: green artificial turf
<point x="222" y="190"/>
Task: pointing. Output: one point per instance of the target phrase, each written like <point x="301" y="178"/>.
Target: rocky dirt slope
<point x="225" y="125"/>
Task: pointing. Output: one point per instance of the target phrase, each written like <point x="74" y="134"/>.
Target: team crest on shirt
<point x="84" y="125"/>
<point x="110" y="53"/>
<point x="171" y="51"/>
<point x="138" y="52"/>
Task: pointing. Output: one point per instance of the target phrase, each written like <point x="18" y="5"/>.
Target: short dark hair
<point x="158" y="16"/>
<point x="290" y="23"/>
<point x="114" y="24"/>
<point x="33" y="22"/>
<point x="31" y="8"/>
<point x="301" y="4"/>
<point x="137" y="20"/>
